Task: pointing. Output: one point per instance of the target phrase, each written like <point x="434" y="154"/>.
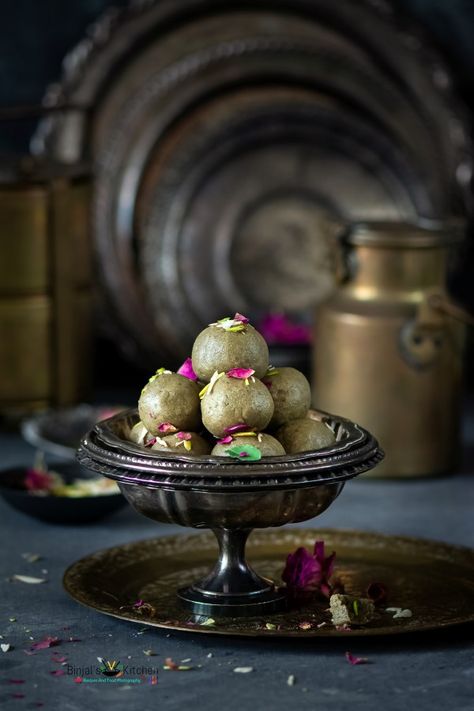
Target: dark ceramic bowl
<point x="58" y="509"/>
<point x="59" y="432"/>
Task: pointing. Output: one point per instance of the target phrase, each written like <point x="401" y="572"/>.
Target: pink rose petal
<point x="166" y="428"/>
<point x="241" y="427"/>
<point x="242" y="319"/>
<point x="278" y="328"/>
<point x="305" y="573"/>
<point x="240" y="373"/>
<point x="38" y="480"/>
<point x="45" y="644"/>
<point x="225" y="440"/>
<point x="184" y="436"/>
<point x="187" y="370"/>
<point x="355" y="660"/>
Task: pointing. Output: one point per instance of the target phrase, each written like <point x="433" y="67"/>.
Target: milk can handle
<point x="448" y="307"/>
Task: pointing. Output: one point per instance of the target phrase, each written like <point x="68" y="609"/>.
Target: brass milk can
<point x="388" y="352"/>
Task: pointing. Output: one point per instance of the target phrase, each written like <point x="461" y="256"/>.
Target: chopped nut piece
<point x="348" y="610"/>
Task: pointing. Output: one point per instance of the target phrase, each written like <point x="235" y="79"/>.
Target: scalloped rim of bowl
<point x="106" y="450"/>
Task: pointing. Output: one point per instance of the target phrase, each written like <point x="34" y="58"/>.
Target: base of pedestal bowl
<point x="261" y="602"/>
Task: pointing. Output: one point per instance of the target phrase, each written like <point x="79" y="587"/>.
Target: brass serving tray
<point x="433" y="580"/>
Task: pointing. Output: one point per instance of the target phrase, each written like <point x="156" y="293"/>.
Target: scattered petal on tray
<point x="309" y="573"/>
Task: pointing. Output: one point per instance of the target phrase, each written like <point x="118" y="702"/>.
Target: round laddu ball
<point x="232" y="401"/>
<point x="291" y="395"/>
<point x="268" y="445"/>
<point x="170" y="398"/>
<point x="189" y="443"/>
<point x="304" y="435"/>
<point x="221" y="350"/>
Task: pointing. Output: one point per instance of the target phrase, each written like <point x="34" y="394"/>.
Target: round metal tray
<point x="434" y="580"/>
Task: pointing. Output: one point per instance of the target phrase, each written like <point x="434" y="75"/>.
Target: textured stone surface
<point x="426" y="671"/>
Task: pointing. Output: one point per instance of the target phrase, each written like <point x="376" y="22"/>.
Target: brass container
<point x="388" y="353"/>
<point x="45" y="280"/>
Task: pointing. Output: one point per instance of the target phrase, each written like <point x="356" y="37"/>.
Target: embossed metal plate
<point x="434" y="580"/>
<point x="230" y="141"/>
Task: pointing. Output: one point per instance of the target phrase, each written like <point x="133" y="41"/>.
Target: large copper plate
<point x="434" y="580"/>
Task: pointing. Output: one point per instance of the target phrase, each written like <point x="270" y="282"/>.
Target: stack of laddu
<point x="226" y="400"/>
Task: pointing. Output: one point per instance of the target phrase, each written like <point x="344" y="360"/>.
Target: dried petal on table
<point x="44" y="644"/>
<point x="28" y="579"/>
<point x="355" y="660"/>
<point x="170" y="665"/>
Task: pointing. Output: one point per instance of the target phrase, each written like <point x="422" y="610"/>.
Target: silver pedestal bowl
<point x="230" y="498"/>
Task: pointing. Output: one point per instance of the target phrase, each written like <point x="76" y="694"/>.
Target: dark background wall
<point x="36" y="34"/>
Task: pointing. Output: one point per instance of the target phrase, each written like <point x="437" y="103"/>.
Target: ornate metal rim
<point x="82" y="56"/>
<point x="104" y="451"/>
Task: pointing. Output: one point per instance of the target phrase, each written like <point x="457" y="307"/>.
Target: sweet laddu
<point x="238" y="401"/>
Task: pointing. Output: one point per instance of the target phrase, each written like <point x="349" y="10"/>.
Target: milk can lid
<point x="405" y="234"/>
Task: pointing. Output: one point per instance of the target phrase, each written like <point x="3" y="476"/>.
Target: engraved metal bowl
<point x="230" y="498"/>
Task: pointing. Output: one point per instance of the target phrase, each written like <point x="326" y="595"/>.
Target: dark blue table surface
<point x="433" y="670"/>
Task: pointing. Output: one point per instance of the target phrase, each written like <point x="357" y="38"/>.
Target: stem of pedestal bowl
<point x="232" y="588"/>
